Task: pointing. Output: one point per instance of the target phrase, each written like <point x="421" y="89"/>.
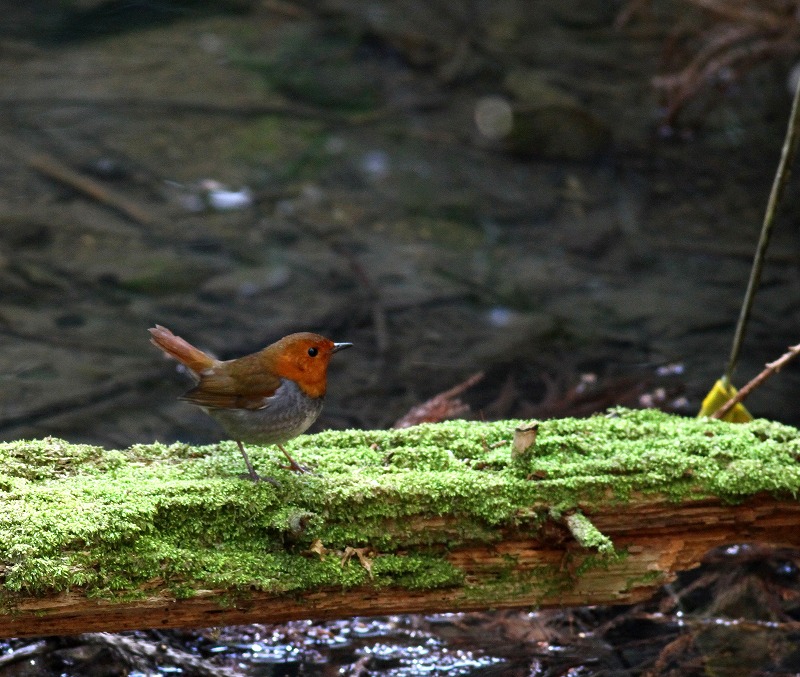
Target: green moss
<point x="646" y="579"/>
<point x="421" y="572"/>
<point x="588" y="535"/>
<point x="543" y="581"/>
<point x="597" y="561"/>
<point x="119" y="523"/>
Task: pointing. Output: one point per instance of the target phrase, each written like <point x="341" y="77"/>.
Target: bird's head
<point x="303" y="358"/>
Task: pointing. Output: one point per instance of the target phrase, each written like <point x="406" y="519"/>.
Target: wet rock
<point x="585" y="13"/>
<point x="165" y="273"/>
<point x="246" y="283"/>
<point x="497" y="334"/>
<point x="549" y="123"/>
<point x="530" y="278"/>
<point x="13" y="287"/>
<point x="314" y="64"/>
<point x="421" y="35"/>
<point x="19" y="232"/>
<point x="530" y="87"/>
<point x="591" y="235"/>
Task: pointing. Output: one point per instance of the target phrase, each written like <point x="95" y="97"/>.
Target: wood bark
<point x="660" y="538"/>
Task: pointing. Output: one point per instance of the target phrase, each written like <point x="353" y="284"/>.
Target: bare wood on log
<point x="661" y="538"/>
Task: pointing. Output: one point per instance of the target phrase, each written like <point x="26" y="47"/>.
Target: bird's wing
<point x="237" y="384"/>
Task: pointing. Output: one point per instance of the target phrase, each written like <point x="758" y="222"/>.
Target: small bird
<point x="267" y="397"/>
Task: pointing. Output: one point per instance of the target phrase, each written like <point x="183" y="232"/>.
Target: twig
<point x="779" y="184"/>
<point x="771" y="368"/>
<point x="49" y="166"/>
<point x="440" y="407"/>
<point x="55" y="169"/>
<point x="289" y="9"/>
<point x="587" y="534"/>
<point x="631" y="9"/>
<point x="735" y="36"/>
<point x="689" y="82"/>
<point x="766" y="20"/>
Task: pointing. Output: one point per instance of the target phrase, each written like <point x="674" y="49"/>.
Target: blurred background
<point x="562" y="195"/>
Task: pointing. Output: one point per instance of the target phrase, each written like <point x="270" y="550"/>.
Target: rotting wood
<point x="158" y="536"/>
<point x="661" y="539"/>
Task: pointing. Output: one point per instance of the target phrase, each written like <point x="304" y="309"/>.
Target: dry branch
<point x="770" y="369"/>
<point x="441" y="407"/>
<point x="722" y="43"/>
<point x="55" y="169"/>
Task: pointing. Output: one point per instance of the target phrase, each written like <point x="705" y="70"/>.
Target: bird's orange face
<point x="304" y="358"/>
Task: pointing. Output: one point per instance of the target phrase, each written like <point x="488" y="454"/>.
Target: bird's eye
<point x="312" y="352"/>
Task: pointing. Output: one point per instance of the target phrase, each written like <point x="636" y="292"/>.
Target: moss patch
<point x="589" y="536"/>
<point x="118" y="523"/>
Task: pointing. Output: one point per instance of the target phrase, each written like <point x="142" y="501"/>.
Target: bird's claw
<point x="294" y="466"/>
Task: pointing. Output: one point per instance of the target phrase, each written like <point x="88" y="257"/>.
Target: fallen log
<point x="434" y="518"/>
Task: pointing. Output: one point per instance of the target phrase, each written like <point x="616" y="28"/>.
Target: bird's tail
<point x="181" y="350"/>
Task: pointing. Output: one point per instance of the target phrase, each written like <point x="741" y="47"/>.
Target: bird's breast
<point x="286" y="414"/>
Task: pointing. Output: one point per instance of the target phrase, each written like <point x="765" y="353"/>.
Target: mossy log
<point x="433" y="518"/>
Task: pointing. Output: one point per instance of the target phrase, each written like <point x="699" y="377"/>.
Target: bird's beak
<point x="340" y="346"/>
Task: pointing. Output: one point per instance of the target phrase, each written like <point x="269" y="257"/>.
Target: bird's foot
<point x="294" y="466"/>
<point x="251" y="474"/>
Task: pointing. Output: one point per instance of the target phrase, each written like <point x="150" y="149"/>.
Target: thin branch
<point x="779" y="184"/>
<point x="771" y="368"/>
<point x="57" y="170"/>
<point x="49" y="166"/>
<point x="766" y="20"/>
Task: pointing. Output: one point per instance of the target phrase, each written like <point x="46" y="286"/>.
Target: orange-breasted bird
<point x="267" y="397"/>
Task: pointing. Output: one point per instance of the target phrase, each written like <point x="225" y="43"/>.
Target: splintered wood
<point x="655" y="539"/>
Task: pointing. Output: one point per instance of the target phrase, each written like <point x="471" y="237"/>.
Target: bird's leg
<point x="253" y="474"/>
<point x="293" y="465"/>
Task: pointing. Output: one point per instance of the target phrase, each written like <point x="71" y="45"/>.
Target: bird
<point x="268" y="397"/>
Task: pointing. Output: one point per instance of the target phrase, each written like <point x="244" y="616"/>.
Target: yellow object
<point x="719" y="395"/>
